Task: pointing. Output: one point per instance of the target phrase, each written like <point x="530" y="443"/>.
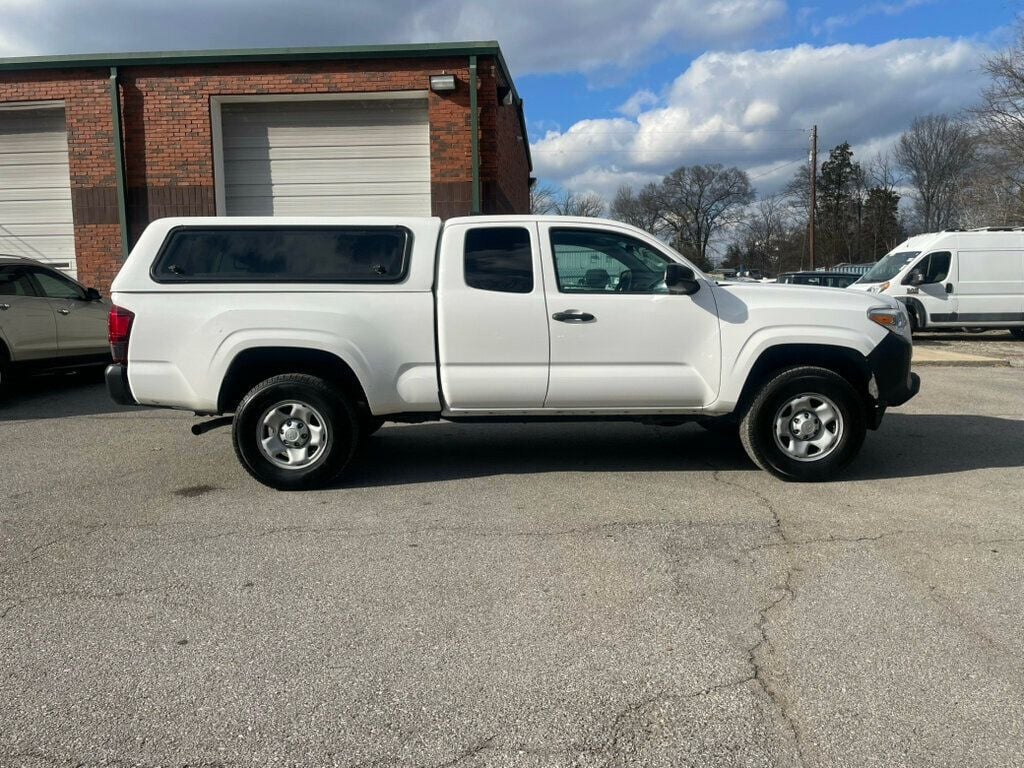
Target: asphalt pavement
<point x="490" y="595"/>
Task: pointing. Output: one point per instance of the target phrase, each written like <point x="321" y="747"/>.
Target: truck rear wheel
<point x="295" y="432"/>
<point x="806" y="424"/>
<point x="1018" y="333"/>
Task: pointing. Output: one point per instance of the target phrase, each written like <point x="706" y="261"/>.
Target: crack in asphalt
<point x="761" y="651"/>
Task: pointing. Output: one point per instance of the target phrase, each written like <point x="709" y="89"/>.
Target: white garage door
<point x="326" y="158"/>
<point x="35" y="187"/>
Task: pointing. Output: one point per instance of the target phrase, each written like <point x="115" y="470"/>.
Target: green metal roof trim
<point x="164" y="58"/>
<point x="243" y="55"/>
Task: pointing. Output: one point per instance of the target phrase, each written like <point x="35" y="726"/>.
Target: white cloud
<point x="636" y="103"/>
<point x="832" y="23"/>
<point x="536" y="35"/>
<point x="754" y="109"/>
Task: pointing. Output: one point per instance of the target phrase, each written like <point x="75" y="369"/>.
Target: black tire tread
<point x="748" y="435"/>
<point x="329" y="393"/>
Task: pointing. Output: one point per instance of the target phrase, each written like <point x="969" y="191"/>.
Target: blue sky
<point x="617" y="92"/>
<point x="559" y="100"/>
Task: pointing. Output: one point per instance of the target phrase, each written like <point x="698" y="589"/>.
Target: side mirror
<point x="681" y="279"/>
<point x="91" y="294"/>
<point x="916" y="277"/>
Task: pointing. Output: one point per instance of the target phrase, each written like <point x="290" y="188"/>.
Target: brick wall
<point x="168" y="138"/>
<point x="504" y="169"/>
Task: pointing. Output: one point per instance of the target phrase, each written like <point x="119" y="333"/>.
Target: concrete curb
<point x="987" y="363"/>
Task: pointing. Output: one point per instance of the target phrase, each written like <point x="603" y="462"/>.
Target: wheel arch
<point x="255" y="364"/>
<point x="845" y="361"/>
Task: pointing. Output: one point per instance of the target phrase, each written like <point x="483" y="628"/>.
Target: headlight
<point x="892" y="319"/>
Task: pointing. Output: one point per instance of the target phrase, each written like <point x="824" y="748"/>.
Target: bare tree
<point x="701" y="201"/>
<point x="578" y="204"/>
<point x="542" y="199"/>
<point x="641" y="209"/>
<point x="767" y="227"/>
<point x="1001" y="112"/>
<point x="938" y="154"/>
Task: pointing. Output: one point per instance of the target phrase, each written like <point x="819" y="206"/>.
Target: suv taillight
<point x="120" y="329"/>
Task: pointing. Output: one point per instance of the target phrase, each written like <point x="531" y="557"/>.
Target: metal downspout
<point x="122" y="205"/>
<point x="474" y="137"/>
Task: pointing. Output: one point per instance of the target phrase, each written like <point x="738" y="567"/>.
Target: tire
<point x="314" y="424"/>
<point x="5" y="374"/>
<point x="818" y="401"/>
<point x="915" y="321"/>
<point x="1017" y="333"/>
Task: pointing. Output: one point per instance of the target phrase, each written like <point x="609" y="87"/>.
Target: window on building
<point x="499" y="259"/>
<point x="285" y="254"/>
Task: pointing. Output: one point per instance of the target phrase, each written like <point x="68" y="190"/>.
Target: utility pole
<point x="814" y="191"/>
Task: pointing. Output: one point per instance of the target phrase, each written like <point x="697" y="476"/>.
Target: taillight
<point x="120" y="329"/>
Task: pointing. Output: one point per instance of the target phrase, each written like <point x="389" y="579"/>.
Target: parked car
<point x="972" y="279"/>
<point x="47" y="320"/>
<point x="312" y="332"/>
<point x="821" y="279"/>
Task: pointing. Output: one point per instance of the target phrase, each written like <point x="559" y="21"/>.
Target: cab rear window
<point x="284" y="254"/>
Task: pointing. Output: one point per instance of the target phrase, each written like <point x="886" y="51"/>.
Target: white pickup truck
<point x="314" y="332"/>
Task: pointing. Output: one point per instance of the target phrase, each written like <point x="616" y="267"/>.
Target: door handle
<point x="573" y="316"/>
<point x="5" y="306"/>
<point x="64" y="311"/>
<point x="949" y="287"/>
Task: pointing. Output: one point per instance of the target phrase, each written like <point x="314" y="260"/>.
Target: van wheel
<point x="915" y="321"/>
<point x="806" y="425"/>
<point x="1018" y="333"/>
<point x="295" y="432"/>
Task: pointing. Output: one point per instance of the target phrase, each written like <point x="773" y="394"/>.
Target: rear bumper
<point x="116" y="377"/>
<point x="890" y="369"/>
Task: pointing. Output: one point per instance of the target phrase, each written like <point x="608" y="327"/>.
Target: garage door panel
<point x="330" y="152"/>
<point x="330" y="189"/>
<point x="375" y="205"/>
<point x="326" y="157"/>
<point x="35" y="194"/>
<point x="367" y="137"/>
<point x="297" y="171"/>
<point x="35" y="186"/>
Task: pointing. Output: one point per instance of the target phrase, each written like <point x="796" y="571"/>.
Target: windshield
<point x="889" y="266"/>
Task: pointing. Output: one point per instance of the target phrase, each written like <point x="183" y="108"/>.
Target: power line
<point x="633" y="131"/>
<point x="777" y="168"/>
<point x="676" y="150"/>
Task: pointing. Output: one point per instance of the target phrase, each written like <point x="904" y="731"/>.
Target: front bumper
<point x="890" y="367"/>
<point x="116" y="377"/>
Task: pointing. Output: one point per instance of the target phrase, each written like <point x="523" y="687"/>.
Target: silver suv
<point x="47" y="320"/>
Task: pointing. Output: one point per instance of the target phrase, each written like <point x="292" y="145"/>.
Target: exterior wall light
<point x="439" y="83"/>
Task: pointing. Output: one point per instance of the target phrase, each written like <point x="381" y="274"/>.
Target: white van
<point x="956" y="279"/>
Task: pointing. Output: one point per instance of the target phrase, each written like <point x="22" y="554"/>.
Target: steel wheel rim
<point x="808" y="427"/>
<point x="292" y="435"/>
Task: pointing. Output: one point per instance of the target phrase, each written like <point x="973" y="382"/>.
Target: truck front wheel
<point x="806" y="424"/>
<point x="295" y="432"/>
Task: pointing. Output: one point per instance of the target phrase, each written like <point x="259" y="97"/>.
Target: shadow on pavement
<point x="58" y="395"/>
<point x="908" y="445"/>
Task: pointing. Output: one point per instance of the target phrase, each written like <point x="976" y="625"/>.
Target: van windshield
<point x="889" y="266"/>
